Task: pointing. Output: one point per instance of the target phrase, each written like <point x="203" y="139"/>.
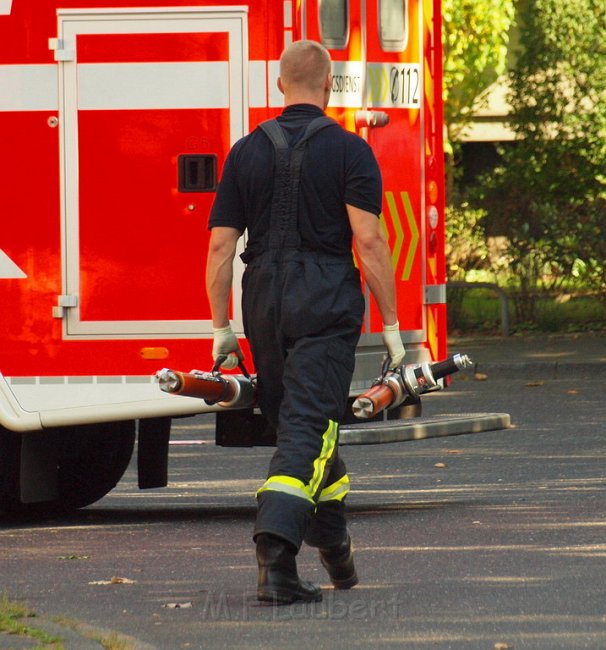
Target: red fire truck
<point x="115" y="120"/>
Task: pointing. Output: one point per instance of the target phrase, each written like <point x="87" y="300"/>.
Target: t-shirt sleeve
<point x="363" y="186"/>
<point x="228" y="208"/>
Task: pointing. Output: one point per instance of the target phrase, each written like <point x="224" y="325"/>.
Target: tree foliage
<point x="476" y="36"/>
<point x="551" y="188"/>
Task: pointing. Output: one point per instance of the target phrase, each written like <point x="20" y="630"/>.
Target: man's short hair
<point x="304" y="64"/>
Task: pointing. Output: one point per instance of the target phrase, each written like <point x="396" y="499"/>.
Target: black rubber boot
<point x="338" y="561"/>
<point x="278" y="579"/>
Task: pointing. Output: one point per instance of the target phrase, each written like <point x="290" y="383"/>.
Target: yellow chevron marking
<point x="378" y="80"/>
<point x="414" y="235"/>
<point x="428" y="15"/>
<point x="429" y="92"/>
<point x="432" y="334"/>
<point x="383" y="223"/>
<point x="397" y="224"/>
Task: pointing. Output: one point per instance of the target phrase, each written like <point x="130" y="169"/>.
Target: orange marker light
<point x="154" y="353"/>
<point x="432" y="191"/>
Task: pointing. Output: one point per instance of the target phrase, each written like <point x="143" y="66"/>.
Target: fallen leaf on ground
<point x="533" y="384"/>
<point x="440" y="465"/>
<point x="480" y="376"/>
<point x="116" y="580"/>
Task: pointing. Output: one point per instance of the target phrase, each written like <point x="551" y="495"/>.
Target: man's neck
<point x="303" y="98"/>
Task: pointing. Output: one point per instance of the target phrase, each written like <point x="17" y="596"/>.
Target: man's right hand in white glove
<point x="225" y="343"/>
<point x="394" y="345"/>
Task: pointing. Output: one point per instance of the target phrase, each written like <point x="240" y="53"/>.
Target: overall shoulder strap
<point x="317" y="124"/>
<point x="274" y="132"/>
<point x="283" y="229"/>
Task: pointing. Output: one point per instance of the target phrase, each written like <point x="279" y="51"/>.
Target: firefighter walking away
<point x="304" y="189"/>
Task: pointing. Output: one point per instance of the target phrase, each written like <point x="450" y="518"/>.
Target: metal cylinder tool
<point x="228" y="391"/>
<point x="393" y="386"/>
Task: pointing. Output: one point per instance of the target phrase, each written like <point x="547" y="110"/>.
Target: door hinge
<point x="64" y="301"/>
<point x="61" y="54"/>
<point x="435" y="294"/>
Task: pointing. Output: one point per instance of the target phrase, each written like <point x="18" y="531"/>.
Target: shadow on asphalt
<point x="182" y="514"/>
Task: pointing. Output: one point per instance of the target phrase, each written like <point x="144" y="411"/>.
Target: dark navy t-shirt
<point x="338" y="168"/>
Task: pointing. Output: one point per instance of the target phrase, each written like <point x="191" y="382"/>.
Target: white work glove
<point x="393" y="343"/>
<point x="226" y="343"/>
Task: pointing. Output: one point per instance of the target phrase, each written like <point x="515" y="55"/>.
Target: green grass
<point x="19" y="620"/>
<point x="15" y="619"/>
<point x="477" y="310"/>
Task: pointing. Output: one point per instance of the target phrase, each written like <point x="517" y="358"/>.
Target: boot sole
<point x="339" y="583"/>
<point x="286" y="597"/>
<point x="347" y="583"/>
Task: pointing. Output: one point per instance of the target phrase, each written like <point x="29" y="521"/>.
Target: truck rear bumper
<point x="34" y="403"/>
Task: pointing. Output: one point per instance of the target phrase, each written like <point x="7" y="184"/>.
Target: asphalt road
<point x="490" y="540"/>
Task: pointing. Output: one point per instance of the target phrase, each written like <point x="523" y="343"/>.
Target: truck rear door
<point x="150" y="102"/>
<point x="377" y="53"/>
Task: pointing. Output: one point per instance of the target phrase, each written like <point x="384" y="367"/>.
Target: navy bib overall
<point x="303" y="313"/>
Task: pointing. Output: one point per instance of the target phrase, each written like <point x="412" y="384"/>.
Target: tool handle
<point x="442" y="369"/>
<point x="448" y="366"/>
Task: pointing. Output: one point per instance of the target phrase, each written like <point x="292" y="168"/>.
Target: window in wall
<point x="334" y="23"/>
<point x="393" y="30"/>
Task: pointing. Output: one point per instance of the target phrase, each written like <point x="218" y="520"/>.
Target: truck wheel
<point x="9" y="469"/>
<point x="91" y="460"/>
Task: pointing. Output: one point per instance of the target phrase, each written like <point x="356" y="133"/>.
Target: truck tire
<point x="9" y="469"/>
<point x="91" y="459"/>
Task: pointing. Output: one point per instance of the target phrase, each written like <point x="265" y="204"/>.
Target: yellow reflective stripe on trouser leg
<point x="337" y="491"/>
<point x="288" y="485"/>
<point x="297" y="488"/>
<point x="329" y="442"/>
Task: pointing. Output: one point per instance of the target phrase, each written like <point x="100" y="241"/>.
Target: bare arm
<point x="219" y="272"/>
<point x="375" y="257"/>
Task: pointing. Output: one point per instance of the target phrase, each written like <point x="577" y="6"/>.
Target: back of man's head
<point x="304" y="65"/>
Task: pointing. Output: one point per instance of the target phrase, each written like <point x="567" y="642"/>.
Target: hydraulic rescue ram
<point x="413" y="380"/>
<point x="228" y="391"/>
<point x="388" y="391"/>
